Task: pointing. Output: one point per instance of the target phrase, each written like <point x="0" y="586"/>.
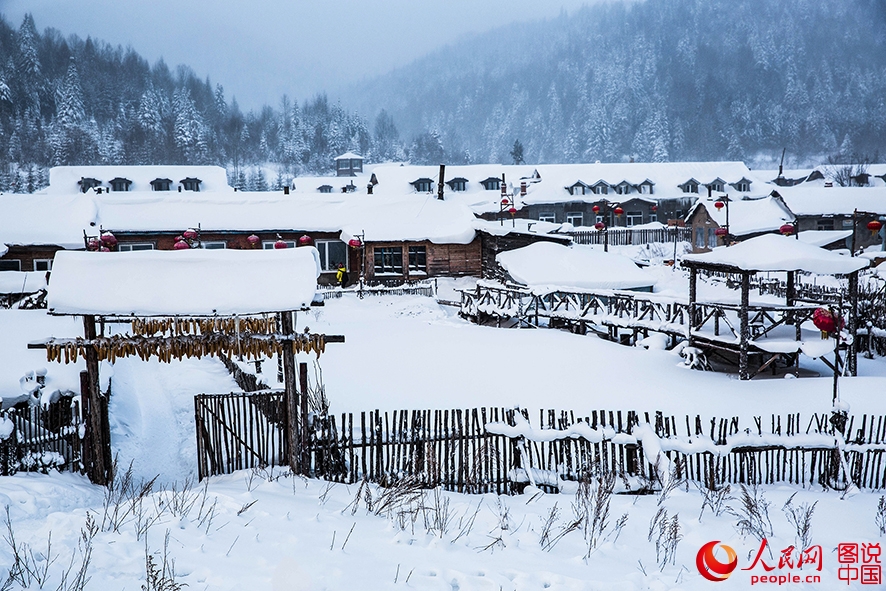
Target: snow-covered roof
<point x="747" y="216"/>
<point x="808" y="199"/>
<point x="22" y="281"/>
<point x="64" y="179"/>
<point x="61" y="219"/>
<point x="188" y="283"/>
<point x="349" y="156"/>
<point x="546" y="264"/>
<point x="771" y="252"/>
<point x="522" y="226"/>
<point x="822" y="238"/>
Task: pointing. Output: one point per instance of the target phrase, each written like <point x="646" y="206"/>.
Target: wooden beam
<point x="290" y="396"/>
<point x="98" y="468"/>
<point x="744" y="332"/>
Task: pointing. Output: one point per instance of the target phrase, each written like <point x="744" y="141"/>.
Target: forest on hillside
<point x="653" y="80"/>
<point x="656" y="80"/>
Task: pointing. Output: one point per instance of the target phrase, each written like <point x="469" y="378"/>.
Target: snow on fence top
<point x="771" y="252"/>
<point x="550" y="264"/>
<point x="183" y="283"/>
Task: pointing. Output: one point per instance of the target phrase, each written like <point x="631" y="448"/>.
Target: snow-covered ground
<point x="286" y="533"/>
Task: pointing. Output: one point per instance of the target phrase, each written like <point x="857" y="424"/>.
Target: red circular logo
<point x="711" y="568"/>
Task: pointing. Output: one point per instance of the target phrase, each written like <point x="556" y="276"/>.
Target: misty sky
<point x="262" y="49"/>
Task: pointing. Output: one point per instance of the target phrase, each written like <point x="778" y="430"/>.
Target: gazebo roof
<point x="771" y="252"/>
<point x="183" y="283"/>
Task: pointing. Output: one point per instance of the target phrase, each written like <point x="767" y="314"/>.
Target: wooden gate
<point x="239" y="431"/>
<point x="38" y="438"/>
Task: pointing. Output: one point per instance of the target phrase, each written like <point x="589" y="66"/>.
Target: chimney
<point x="709" y="191"/>
<point x="440" y="182"/>
<point x="522" y="188"/>
<point x="286" y="190"/>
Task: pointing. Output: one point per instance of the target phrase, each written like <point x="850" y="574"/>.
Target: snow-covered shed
<point x="739" y="218"/>
<point x="570" y="268"/>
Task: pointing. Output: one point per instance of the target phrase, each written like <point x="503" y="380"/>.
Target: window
<point x="10" y="265"/>
<point x="712" y="238"/>
<point x="547" y="217"/>
<point x="388" y="259"/>
<point x="824" y="224"/>
<point x="332" y="252"/>
<point x="458" y="184"/>
<point x="574" y="218"/>
<point x="423" y="185"/>
<point x="133" y="246"/>
<point x="88" y="183"/>
<point x="325" y="188"/>
<point x="43" y="264"/>
<point x="623" y="189"/>
<point x="716" y="186"/>
<point x="214" y="245"/>
<point x="578" y="190"/>
<point x="646" y="189"/>
<point x="120" y="184"/>
<point x="268" y="244"/>
<point x="653" y="217"/>
<point x="598" y="219"/>
<point x="699" y="237"/>
<point x="634" y="218"/>
<point x="491" y="184"/>
<point x="191" y="184"/>
<point x="743" y="186"/>
<point x="344" y="164"/>
<point x="847" y="223"/>
<point x="601" y="189"/>
<point x="418" y="259"/>
<point x="160" y="184"/>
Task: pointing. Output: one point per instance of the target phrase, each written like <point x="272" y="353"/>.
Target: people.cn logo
<point x="711" y="568"/>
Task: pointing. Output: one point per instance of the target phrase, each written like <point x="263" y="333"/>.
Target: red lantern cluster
<point x="787" y="229"/>
<point x="108" y="239"/>
<point x="355" y="243"/>
<point x="190" y="234"/>
<point x="825" y="321"/>
<point x="720" y="232"/>
<point x="181" y="245"/>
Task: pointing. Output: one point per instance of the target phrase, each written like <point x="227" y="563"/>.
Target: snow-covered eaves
<point x="772" y="252"/>
<point x="812" y="200"/>
<point x="183" y="283"/>
<point x="546" y="264"/>
<point x="64" y="179"/>
<point x="22" y="281"/>
<point x="822" y="238"/>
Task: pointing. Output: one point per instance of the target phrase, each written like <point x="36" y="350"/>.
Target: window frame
<point x="417" y="259"/>
<point x="572" y="215"/>
<point x="632" y="216"/>
<point x="214" y="244"/>
<point x="269" y="244"/>
<point x="387" y="260"/>
<point x="326" y="264"/>
<point x="135" y="246"/>
<point x="548" y="217"/>
<point x="46" y="262"/>
<point x="5" y="262"/>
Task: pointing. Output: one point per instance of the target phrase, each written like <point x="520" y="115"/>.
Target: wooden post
<point x="305" y="440"/>
<point x="852" y="353"/>
<point x="693" y="278"/>
<point x="98" y="467"/>
<point x="290" y="395"/>
<point x="745" y="328"/>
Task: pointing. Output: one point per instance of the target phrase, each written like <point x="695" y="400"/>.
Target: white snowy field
<point x="409" y="352"/>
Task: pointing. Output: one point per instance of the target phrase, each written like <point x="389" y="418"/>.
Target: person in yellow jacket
<point x="341" y="275"/>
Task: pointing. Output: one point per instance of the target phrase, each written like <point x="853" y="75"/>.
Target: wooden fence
<point x="41" y="438"/>
<point x="501" y="450"/>
<point x="422" y="287"/>
<point x="628" y="236"/>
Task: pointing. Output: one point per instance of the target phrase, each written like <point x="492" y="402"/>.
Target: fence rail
<point x="502" y="450"/>
<point x="422" y="287"/>
<point x="629" y="237"/>
<point x="41" y="438"/>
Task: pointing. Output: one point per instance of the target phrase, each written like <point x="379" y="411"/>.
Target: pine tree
<point x="517" y="152"/>
<point x="70" y="110"/>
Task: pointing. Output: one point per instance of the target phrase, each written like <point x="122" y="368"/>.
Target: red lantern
<point x="512" y="210"/>
<point x="874" y="226"/>
<point x="190" y="234"/>
<point x="280" y="244"/>
<point x="596" y="209"/>
<point x="93" y="244"/>
<point x="787" y="229"/>
<point x="720" y="232"/>
<point x="305" y="241"/>
<point x="825" y="321"/>
<point x="504" y="201"/>
<point x="181" y="245"/>
<point x="104" y="249"/>
<point x="599" y="226"/>
<point x="108" y="239"/>
<point x="253" y="240"/>
<point x="719" y="205"/>
<point x="355" y="243"/>
<point x="618" y="211"/>
<point x="654" y="208"/>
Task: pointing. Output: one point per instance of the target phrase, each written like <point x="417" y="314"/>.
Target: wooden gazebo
<point x="768" y="253"/>
<point x="182" y="304"/>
